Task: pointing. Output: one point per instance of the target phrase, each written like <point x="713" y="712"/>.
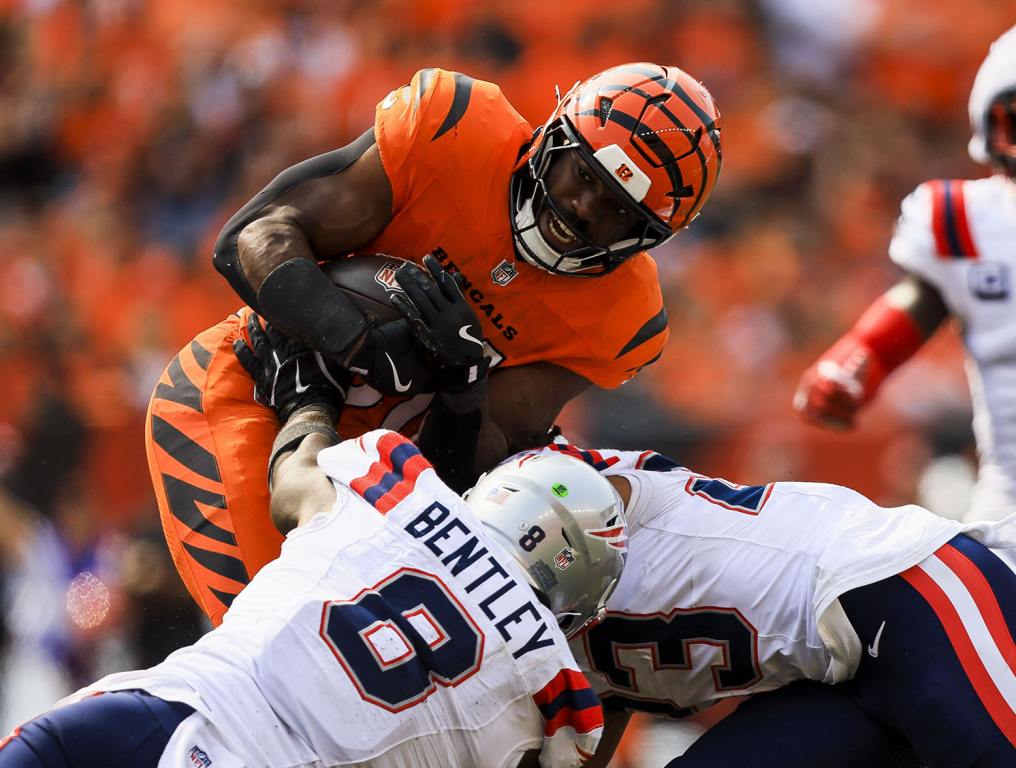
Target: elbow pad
<point x="299" y="299"/>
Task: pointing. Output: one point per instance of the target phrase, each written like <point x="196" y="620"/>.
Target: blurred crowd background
<point x="130" y="130"/>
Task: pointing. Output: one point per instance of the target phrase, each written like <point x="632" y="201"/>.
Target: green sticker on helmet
<point x="560" y="490"/>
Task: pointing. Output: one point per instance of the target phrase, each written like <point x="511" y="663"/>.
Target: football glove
<point x="443" y="323"/>
<point x="833" y="390"/>
<point x="847" y="375"/>
<point x="392" y="361"/>
<point x="287" y="375"/>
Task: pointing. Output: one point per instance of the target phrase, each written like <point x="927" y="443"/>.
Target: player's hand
<point x="443" y="322"/>
<point x="287" y="375"/>
<point x="831" y="393"/>
<point x="392" y="362"/>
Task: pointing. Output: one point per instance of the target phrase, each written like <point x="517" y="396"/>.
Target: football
<point x="369" y="282"/>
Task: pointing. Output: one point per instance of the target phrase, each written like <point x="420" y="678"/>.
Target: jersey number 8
<point x="401" y="639"/>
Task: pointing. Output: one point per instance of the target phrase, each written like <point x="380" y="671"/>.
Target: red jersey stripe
<point x="984" y="598"/>
<point x="938" y="219"/>
<point x="582" y="720"/>
<point x="984" y="687"/>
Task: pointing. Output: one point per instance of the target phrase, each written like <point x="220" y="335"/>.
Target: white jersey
<point x="960" y="236"/>
<point x="391" y="631"/>
<point x="732" y="589"/>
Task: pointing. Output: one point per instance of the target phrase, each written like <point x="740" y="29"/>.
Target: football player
<point x="396" y="628"/>
<point x="954" y="239"/>
<point x="548" y="231"/>
<point x="731" y="590"/>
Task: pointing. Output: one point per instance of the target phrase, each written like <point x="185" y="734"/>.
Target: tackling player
<point x="395" y="629"/>
<point x="954" y="239"/>
<point x="548" y="230"/>
<point x="731" y="590"/>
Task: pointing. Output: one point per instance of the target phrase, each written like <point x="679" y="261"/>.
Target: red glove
<point x="847" y="376"/>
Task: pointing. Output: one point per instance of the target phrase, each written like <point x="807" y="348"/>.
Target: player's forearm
<point x="459" y="438"/>
<point x="299" y="488"/>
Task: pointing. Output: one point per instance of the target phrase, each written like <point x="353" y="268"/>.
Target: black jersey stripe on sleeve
<point x="653" y="327"/>
<point x="460" y="101"/>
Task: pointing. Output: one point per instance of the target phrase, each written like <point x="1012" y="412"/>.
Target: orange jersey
<point x="449" y="145"/>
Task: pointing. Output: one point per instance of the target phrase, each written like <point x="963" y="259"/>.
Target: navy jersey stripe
<point x="398" y="458"/>
<point x="576" y="700"/>
<point x="949" y="216"/>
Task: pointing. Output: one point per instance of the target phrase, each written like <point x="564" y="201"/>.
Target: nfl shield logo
<point x="386" y="276"/>
<point x="504" y="273"/>
<point x="564" y="558"/>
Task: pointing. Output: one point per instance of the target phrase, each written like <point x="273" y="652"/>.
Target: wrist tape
<point x="290" y="437"/>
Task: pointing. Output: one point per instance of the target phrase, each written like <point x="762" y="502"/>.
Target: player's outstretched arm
<point x="289" y="379"/>
<point x="300" y="489"/>
<point x="320" y="209"/>
<point x="845" y="378"/>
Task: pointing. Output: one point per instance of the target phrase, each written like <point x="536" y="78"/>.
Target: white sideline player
<point x="955" y="240"/>
<point x="395" y="630"/>
<point x="732" y="590"/>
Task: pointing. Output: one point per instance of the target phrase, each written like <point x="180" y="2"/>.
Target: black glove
<point x="443" y="322"/>
<point x="287" y="375"/>
<point x="392" y="362"/>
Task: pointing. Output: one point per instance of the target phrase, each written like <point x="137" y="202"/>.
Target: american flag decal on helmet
<point x="613" y="536"/>
<point x="500" y="494"/>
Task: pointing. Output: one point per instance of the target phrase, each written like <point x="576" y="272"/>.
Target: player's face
<point x="588" y="206"/>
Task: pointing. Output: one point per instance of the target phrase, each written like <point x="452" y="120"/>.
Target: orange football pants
<point x="208" y="444"/>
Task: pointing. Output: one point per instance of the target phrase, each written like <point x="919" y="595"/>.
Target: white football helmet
<point x="992" y="106"/>
<point x="564" y="524"/>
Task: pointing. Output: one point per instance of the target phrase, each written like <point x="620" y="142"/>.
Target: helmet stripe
<point x="672" y="86"/>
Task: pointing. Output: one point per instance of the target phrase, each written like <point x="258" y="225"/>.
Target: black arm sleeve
<point x="299" y="299"/>
<point x="226" y="258"/>
<point x="450" y="435"/>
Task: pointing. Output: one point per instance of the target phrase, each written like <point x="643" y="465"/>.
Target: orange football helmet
<point x="651" y="133"/>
